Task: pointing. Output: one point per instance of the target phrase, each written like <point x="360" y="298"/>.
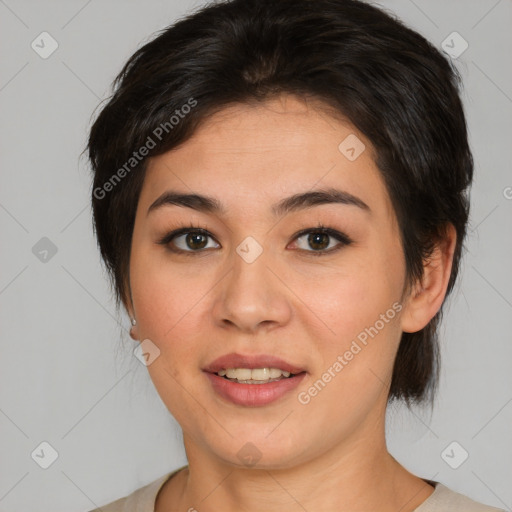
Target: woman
<point x="280" y="195"/>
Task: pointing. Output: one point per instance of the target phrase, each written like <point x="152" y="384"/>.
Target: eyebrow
<point x="293" y="203"/>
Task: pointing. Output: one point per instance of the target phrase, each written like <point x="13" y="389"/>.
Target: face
<point x="310" y="285"/>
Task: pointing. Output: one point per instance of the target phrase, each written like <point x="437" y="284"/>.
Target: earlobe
<point x="133" y="329"/>
<point x="128" y="304"/>
<point x="426" y="298"/>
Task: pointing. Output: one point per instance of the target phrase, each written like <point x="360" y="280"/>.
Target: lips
<point x="235" y="360"/>
<point x="252" y="395"/>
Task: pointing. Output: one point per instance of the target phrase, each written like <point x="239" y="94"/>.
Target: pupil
<point x="315" y="240"/>
<point x="194" y="240"/>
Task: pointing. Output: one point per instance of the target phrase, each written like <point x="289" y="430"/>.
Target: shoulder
<point x="140" y="500"/>
<point x="443" y="499"/>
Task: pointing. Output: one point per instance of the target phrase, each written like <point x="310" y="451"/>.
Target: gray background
<point x="68" y="376"/>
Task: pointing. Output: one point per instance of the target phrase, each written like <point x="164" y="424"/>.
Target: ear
<point x="426" y="297"/>
<point x="134" y="330"/>
<point x="128" y="305"/>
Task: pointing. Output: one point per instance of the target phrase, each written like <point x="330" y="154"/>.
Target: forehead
<point x="254" y="154"/>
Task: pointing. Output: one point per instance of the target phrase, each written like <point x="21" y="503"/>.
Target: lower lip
<point x="253" y="395"/>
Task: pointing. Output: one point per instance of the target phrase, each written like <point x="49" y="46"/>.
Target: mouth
<point x="253" y="380"/>
<point x="255" y="375"/>
<point x="259" y="363"/>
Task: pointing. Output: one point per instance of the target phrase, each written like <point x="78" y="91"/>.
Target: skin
<point x="304" y="308"/>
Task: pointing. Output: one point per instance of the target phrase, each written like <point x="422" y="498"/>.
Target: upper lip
<point x="235" y="360"/>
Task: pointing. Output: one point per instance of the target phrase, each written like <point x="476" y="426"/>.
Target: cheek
<point x="347" y="301"/>
<point x="357" y="360"/>
<point x="360" y="309"/>
<point x="167" y="305"/>
<point x="165" y="297"/>
<point x="362" y="322"/>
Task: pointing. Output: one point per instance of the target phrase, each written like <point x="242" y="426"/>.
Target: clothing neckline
<point x="438" y="488"/>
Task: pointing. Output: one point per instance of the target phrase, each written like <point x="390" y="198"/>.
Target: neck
<point x="358" y="474"/>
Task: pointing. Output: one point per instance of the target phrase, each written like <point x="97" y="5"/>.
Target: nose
<point x="251" y="297"/>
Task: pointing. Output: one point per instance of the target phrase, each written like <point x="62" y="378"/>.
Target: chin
<point x="260" y="450"/>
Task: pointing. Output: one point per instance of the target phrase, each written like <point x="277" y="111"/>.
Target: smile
<point x="254" y="375"/>
<point x="253" y="392"/>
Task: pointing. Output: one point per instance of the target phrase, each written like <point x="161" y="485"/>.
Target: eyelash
<point x="186" y="229"/>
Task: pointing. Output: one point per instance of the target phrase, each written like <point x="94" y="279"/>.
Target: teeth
<point x="275" y="373"/>
<point x="255" y="374"/>
<point x="239" y="373"/>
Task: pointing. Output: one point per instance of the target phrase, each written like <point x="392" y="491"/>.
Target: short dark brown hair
<point x="389" y="81"/>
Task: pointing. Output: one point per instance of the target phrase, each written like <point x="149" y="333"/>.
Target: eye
<point x="321" y="240"/>
<point x="188" y="240"/>
<point x="317" y="241"/>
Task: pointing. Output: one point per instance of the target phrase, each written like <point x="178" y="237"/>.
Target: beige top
<point x="442" y="499"/>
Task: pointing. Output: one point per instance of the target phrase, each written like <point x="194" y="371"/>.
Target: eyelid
<point x="342" y="238"/>
<point x="334" y="233"/>
<point x="169" y="237"/>
<point x="338" y="235"/>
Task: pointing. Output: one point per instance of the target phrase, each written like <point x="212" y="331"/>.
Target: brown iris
<point x="196" y="240"/>
<point x="318" y="240"/>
